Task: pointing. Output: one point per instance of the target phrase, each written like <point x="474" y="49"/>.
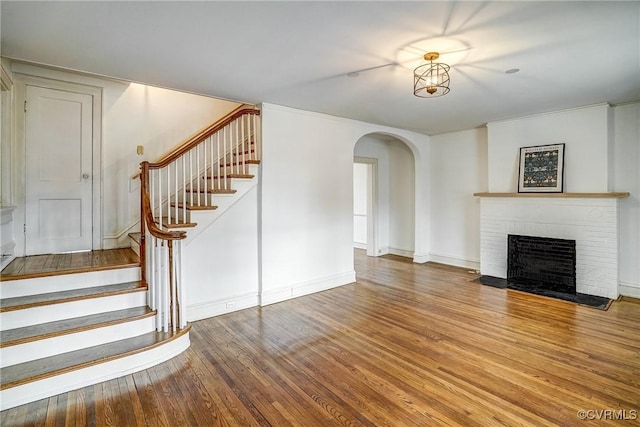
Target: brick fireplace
<point x="589" y="219"/>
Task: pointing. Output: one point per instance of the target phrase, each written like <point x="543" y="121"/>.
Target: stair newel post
<point x="171" y="286"/>
<point x="144" y="177"/>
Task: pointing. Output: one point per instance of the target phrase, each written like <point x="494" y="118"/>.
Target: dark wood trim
<point x="202" y="135"/>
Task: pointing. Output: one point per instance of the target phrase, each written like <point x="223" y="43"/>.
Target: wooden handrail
<point x="200" y="136"/>
<point x="147" y="215"/>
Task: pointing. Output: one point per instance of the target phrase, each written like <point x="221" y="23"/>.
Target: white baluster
<point x="175" y="190"/>
<point x="243" y="139"/>
<point x="224" y="150"/>
<point x="204" y="148"/>
<point x="217" y="169"/>
<point x="183" y="198"/>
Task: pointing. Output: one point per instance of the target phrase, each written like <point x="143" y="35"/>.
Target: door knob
<point x="85" y="176"/>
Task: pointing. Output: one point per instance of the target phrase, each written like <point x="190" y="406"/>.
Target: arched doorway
<point x="384" y="196"/>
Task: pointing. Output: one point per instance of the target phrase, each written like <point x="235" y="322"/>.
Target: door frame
<point x="372" y="202"/>
<point x="20" y="171"/>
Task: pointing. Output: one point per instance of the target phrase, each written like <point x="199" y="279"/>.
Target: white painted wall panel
<point x="627" y="178"/>
<point x="458" y="169"/>
<point x="583" y="130"/>
<point x="221" y="263"/>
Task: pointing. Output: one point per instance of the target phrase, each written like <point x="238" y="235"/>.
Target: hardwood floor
<point x="407" y="345"/>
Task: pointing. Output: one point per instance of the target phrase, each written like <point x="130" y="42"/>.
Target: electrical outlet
<point x="231" y="304"/>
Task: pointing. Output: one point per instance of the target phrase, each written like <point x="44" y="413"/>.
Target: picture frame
<point x="541" y="169"/>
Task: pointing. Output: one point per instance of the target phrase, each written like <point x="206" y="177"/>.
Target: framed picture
<point x="541" y="169"/>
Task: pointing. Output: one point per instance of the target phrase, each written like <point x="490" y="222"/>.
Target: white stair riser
<point x="67" y="282"/>
<point x="68" y="310"/>
<point x="135" y="247"/>
<point x="36" y="390"/>
<point x="62" y="344"/>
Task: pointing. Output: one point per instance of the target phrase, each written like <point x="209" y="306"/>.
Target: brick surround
<point x="591" y="222"/>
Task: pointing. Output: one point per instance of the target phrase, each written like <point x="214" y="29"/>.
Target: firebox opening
<point x="542" y="263"/>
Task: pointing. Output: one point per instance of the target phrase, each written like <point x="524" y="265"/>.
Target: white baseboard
<point x="358" y="245"/>
<point x="401" y="252"/>
<point x="471" y="264"/>
<point x="629" y="289"/>
<point x="420" y="258"/>
<point x="305" y="288"/>
<point x="204" y="310"/>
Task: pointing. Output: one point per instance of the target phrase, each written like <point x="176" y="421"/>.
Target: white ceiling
<point x="298" y="54"/>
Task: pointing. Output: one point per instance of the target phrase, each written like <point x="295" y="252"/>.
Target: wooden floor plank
<point x="408" y="344"/>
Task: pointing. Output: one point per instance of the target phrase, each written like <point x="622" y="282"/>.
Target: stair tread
<point x="80" y="262"/>
<point x="246" y="152"/>
<point x="190" y="207"/>
<point x="68" y="326"/>
<point x="28" y="301"/>
<point x="238" y="163"/>
<point x="178" y="224"/>
<point x="135" y="237"/>
<point x="231" y="175"/>
<point x="212" y="191"/>
<point x="34" y="370"/>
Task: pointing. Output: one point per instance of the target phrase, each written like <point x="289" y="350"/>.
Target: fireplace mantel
<point x="615" y="195"/>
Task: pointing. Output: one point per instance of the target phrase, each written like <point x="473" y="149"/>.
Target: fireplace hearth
<point x="542" y="263"/>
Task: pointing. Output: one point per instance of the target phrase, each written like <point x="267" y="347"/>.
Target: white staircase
<point x="63" y="332"/>
<point x="66" y="331"/>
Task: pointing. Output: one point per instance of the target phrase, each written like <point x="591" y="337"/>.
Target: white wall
<point x="458" y="169"/>
<point x="307" y="199"/>
<point x="585" y="132"/>
<point x="401" y="199"/>
<point x="221" y="263"/>
<point x="135" y="114"/>
<point x="360" y="200"/>
<point x="627" y="178"/>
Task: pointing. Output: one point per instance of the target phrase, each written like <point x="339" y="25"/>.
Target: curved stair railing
<point x="183" y="181"/>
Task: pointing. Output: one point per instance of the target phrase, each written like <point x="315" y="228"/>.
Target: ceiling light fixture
<point x="432" y="79"/>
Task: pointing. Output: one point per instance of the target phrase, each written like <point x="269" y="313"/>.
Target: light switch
<point x="140" y="150"/>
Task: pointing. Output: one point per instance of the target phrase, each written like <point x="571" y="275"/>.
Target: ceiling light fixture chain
<point x="431" y="80"/>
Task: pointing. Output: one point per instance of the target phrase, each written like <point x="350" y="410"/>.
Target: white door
<point x="59" y="175"/>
